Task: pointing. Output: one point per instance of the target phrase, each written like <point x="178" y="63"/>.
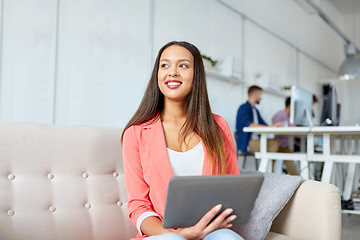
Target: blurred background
<point x="87" y="62"/>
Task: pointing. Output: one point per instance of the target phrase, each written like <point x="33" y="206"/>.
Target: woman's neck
<point x="173" y="110"/>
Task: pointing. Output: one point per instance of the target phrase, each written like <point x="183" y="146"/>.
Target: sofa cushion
<point x="278" y="236"/>
<point x="60" y="182"/>
<point x="275" y="192"/>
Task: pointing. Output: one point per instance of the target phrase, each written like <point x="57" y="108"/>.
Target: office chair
<point x="244" y="155"/>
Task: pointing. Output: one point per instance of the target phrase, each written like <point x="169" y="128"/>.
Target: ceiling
<point x="346" y="6"/>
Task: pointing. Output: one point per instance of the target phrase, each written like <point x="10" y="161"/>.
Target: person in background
<point x="283" y="117"/>
<point x="315" y="100"/>
<point x="249" y="116"/>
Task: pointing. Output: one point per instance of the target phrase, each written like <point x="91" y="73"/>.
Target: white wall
<point x="352" y="24"/>
<point x="348" y="97"/>
<point x="96" y="54"/>
<point x="27" y="60"/>
<point x="102" y="61"/>
<point x="307" y="32"/>
<point x="97" y="61"/>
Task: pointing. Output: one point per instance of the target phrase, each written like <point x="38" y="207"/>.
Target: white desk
<point x="348" y="154"/>
<point x="265" y="156"/>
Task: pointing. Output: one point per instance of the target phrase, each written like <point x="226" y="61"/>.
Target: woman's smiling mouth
<point x="172" y="84"/>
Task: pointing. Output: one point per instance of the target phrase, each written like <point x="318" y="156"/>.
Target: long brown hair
<point x="199" y="116"/>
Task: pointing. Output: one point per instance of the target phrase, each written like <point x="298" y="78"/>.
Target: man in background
<point x="283" y="117"/>
<point x="249" y="116"/>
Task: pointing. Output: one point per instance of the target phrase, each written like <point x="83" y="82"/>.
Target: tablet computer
<point x="189" y="198"/>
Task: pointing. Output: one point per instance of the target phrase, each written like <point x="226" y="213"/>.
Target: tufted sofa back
<point x="62" y="183"/>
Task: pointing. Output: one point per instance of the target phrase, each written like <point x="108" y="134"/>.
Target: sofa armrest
<point x="313" y="212"/>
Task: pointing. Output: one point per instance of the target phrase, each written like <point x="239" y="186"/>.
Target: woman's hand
<point x="204" y="226"/>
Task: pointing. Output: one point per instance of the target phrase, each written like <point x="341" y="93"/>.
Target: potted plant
<point x="209" y="63"/>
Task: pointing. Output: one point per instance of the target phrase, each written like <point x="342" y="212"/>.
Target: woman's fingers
<point x="231" y="218"/>
<point x="221" y="221"/>
<point x="209" y="223"/>
<point x="228" y="225"/>
<point x="205" y="220"/>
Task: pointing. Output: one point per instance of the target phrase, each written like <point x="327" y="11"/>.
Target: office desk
<point x="349" y="152"/>
<point x="265" y="156"/>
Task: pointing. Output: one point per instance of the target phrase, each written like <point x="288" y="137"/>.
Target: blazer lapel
<point x="206" y="170"/>
<point x="155" y="139"/>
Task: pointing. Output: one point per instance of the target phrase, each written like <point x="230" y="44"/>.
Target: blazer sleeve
<point x="230" y="150"/>
<point x="136" y="186"/>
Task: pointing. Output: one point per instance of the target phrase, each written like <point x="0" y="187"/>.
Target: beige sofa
<point x="67" y="183"/>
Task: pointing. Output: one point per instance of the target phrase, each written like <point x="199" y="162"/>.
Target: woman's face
<point x="176" y="73"/>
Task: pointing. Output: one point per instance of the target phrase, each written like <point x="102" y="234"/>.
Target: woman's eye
<point x="183" y="66"/>
<point x="164" y="65"/>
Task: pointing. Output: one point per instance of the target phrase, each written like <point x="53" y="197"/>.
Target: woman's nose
<point x="173" y="71"/>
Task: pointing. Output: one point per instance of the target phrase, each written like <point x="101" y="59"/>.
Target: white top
<point x="187" y="163"/>
<point x="256" y="121"/>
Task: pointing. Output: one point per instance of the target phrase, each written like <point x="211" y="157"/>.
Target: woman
<point x="173" y="132"/>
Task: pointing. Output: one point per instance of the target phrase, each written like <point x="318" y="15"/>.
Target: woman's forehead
<point x="175" y="52"/>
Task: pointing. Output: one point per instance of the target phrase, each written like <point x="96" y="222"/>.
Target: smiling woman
<point x="175" y="116"/>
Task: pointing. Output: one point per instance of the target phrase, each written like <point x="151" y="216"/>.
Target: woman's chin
<point x="174" y="98"/>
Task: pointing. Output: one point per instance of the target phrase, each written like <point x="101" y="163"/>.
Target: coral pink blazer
<point x="147" y="167"/>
